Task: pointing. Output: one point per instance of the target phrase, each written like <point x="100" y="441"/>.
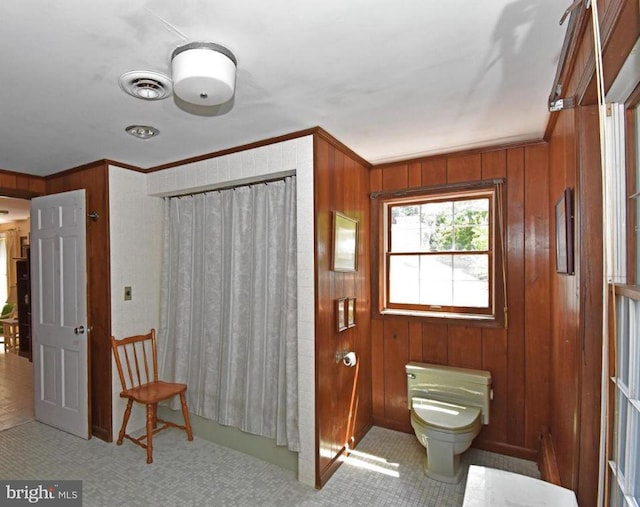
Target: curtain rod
<point x="280" y="177"/>
<point x="444" y="186"/>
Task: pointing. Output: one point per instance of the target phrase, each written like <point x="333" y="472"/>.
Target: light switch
<point x="127" y="293"/>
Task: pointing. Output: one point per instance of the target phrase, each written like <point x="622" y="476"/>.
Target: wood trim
<point x="630" y="291"/>
<point x="619" y="29"/>
<point x="19" y="193"/>
<point x="320" y="132"/>
<point x="631" y="204"/>
<point x="547" y="463"/>
<point x="567" y="65"/>
<point x="506" y="449"/>
<point x="464" y="153"/>
<point x="106" y="162"/>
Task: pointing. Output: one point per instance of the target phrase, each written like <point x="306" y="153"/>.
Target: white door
<point x="59" y="311"/>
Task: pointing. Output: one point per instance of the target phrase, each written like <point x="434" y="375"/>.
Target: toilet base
<point x="454" y="479"/>
<point x="442" y="463"/>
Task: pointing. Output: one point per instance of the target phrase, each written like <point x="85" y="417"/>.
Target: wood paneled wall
<point x="22" y="186"/>
<point x="518" y="357"/>
<point x="94" y="178"/>
<point x="343" y="394"/>
<point x="565" y="315"/>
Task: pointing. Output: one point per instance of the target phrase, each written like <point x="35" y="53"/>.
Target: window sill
<point x="441" y="318"/>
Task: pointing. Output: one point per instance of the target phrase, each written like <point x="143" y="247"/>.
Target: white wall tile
<point x="294" y="154"/>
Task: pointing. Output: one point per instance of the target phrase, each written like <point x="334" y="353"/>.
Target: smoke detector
<point x="146" y="84"/>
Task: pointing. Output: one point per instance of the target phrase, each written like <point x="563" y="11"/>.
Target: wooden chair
<point x="142" y="386"/>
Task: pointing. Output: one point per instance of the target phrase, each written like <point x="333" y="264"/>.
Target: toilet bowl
<point x="448" y="407"/>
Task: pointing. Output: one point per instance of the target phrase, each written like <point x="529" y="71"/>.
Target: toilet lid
<point x="445" y="415"/>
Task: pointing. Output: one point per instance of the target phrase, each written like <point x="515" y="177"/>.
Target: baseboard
<point x="486" y="445"/>
<point x="547" y="463"/>
<point x="404" y="426"/>
<point x="514" y="451"/>
<point x="254" y="445"/>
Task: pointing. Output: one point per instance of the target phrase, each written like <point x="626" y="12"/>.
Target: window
<point x="438" y="254"/>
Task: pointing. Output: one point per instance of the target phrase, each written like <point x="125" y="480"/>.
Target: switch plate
<point x="127" y="293"/>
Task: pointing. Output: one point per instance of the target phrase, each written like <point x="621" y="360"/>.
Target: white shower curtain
<point x="229" y="306"/>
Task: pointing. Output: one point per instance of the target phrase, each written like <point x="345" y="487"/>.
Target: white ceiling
<point x="390" y="79"/>
<point x="13" y="210"/>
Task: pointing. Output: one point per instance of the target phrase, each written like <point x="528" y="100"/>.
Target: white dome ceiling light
<point x="203" y="73"/>
<point x="146" y="84"/>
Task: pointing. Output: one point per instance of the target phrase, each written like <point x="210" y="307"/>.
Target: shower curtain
<point x="229" y="306"/>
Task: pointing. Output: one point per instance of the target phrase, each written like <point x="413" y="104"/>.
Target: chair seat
<point x="154" y="391"/>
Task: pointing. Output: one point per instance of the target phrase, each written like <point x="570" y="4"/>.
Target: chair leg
<point x="155" y="416"/>
<point x="185" y="414"/>
<point x="125" y="420"/>
<point x="150" y="420"/>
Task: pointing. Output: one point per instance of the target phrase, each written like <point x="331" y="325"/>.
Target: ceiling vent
<point x="146" y="84"/>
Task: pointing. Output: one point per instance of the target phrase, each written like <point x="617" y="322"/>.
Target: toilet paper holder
<point x="346" y="356"/>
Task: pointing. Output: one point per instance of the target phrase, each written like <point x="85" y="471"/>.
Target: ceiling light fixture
<point x="146" y="84"/>
<point x="142" y="131"/>
<point x="204" y="73"/>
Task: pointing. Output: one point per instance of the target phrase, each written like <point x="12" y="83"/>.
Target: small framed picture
<point x="341" y="316"/>
<point x="351" y="312"/>
<point x="564" y="233"/>
<point x="345" y="243"/>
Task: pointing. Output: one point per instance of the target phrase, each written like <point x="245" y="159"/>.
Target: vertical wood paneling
<point x="589" y="336"/>
<point x="494" y="341"/>
<point x="434" y="172"/>
<point x="395" y="177"/>
<point x="415" y="341"/>
<point x="343" y="394"/>
<point x="435" y="343"/>
<point x="414" y="176"/>
<point x="537" y="294"/>
<point x="396" y="356"/>
<point x="464" y="168"/>
<point x="515" y="297"/>
<point x="518" y="409"/>
<point x="377" y="368"/>
<point x="465" y="347"/>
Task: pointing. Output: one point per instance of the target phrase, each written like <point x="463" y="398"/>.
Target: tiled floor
<point x="385" y="469"/>
<point x="16" y="389"/>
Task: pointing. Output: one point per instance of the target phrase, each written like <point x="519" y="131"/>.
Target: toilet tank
<point x="446" y="383"/>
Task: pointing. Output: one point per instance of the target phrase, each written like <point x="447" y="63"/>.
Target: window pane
<point x="440" y="280"/>
<point x="404" y="279"/>
<point x="406" y="229"/>
<point x="626" y="310"/>
<point x="622" y="433"/>
<point x="471" y="281"/>
<point x="471" y="219"/>
<point x="634" y="457"/>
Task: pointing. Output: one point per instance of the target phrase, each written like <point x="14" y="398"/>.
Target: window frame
<point x="382" y="203"/>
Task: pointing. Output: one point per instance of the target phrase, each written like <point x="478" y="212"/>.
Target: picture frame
<point x="345" y="243"/>
<point x="351" y="312"/>
<point x="564" y="233"/>
<point x="341" y="316"/>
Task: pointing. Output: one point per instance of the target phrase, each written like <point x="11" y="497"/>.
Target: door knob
<point x="79" y="330"/>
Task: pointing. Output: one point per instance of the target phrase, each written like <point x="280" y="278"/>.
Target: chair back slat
<point x="133" y="352"/>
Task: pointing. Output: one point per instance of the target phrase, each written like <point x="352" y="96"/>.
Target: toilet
<point x="448" y="407"/>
